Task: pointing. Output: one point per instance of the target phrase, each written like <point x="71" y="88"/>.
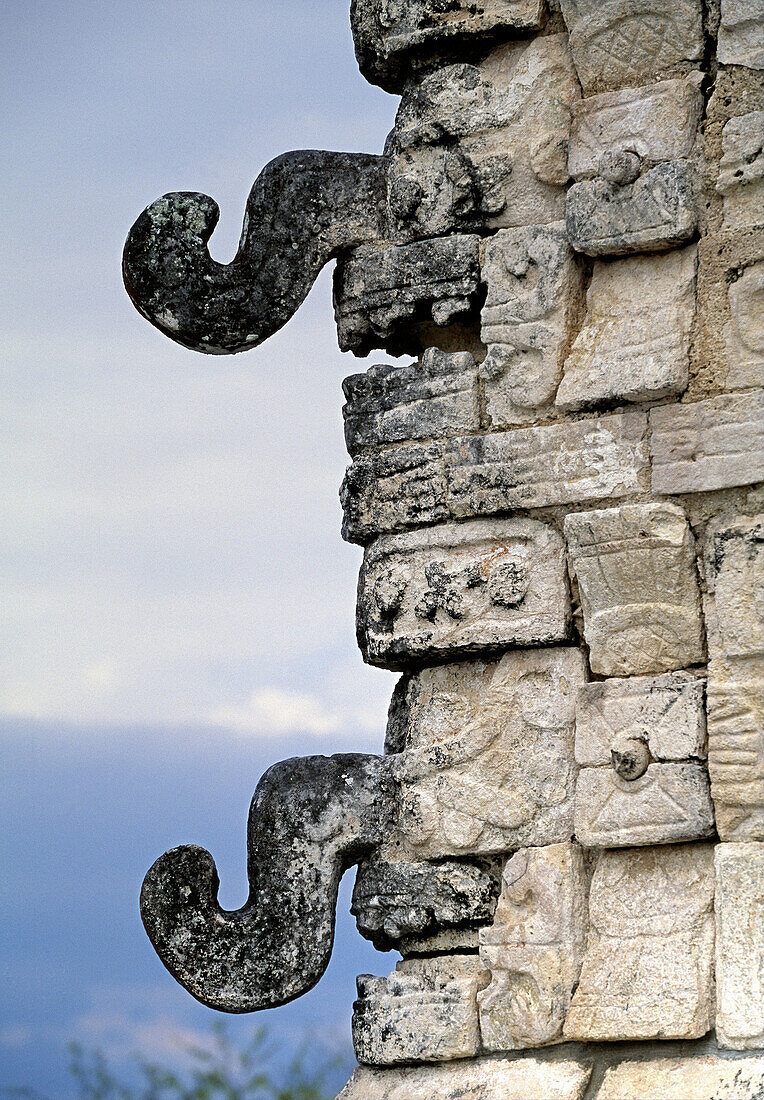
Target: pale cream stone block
<point x="648" y="969"/>
<point x="639" y="593"/>
<point x="736" y="746"/>
<point x="733" y="563"/>
<point x="713" y="444"/>
<point x="744" y="332"/>
<point x="488" y="765"/>
<point x="740" y="945"/>
<point x="741" y="170"/>
<point x="741" y="34"/>
<point x="697" y="1077"/>
<point x="635" y="343"/>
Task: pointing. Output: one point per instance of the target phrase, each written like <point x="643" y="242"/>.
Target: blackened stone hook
<point x="310" y="820"/>
<point x="303" y="210"/>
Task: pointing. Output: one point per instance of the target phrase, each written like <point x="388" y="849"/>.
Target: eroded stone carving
<point x="488" y="765"/>
<point x="698" y="1077"/>
<point x="741" y="170"/>
<point x="534" y="948"/>
<point x="741" y="34"/>
<point x="484" y="1079"/>
<point x="648" y="969"/>
<point x="635" y="343"/>
<point x="736" y="746"/>
<point x="740" y="945"/>
<point x="744" y="333"/>
<point x="733" y="562"/>
<point x="639" y="593"/>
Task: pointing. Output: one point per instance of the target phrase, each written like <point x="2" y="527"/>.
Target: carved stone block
<point x="744" y="333"/>
<point x="381" y="290"/>
<point x="648" y="969"/>
<point x="534" y="290"/>
<point x="713" y="444"/>
<point x="736" y="746"/>
<point x="436" y="397"/>
<point x="489" y="763"/>
<point x="622" y="43"/>
<point x="741" y="34"/>
<point x="658" y="122"/>
<point x="635" y="343"/>
<point x="398" y="488"/>
<point x="484" y="1079"/>
<point x="740" y="945"/>
<point x="697" y="1077"/>
<point x="741" y="170"/>
<point x="654" y="212"/>
<point x="665" y="712"/>
<point x="461" y="589"/>
<point x="534" y="948"/>
<point x="639" y="592"/>
<point x="733" y="563"/>
<point x="425" y="1011"/>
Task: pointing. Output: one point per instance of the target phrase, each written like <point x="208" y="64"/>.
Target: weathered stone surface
<point x="436" y="397"/>
<point x="733" y="564"/>
<point x="425" y="1011"/>
<point x="396" y="903"/>
<point x="648" y="969"/>
<point x="534" y="292"/>
<point x="534" y="948"/>
<point x="665" y="804"/>
<point x="697" y="1077"/>
<point x="489" y="763"/>
<point x="639" y="592"/>
<point x="666" y="712"/>
<point x="486" y="1079"/>
<point x="741" y="34"/>
<point x="654" y="212"/>
<point x="711" y="444"/>
<point x="310" y="819"/>
<point x="381" y="290"/>
<point x="744" y="333"/>
<point x="736" y="746"/>
<point x="484" y="145"/>
<point x="622" y="43"/>
<point x="461" y="589"/>
<point x="658" y="122"/>
<point x="741" y="169"/>
<point x="635" y="343"/>
<point x="314" y="205"/>
<point x="393" y="38"/>
<point x="740" y="945"/>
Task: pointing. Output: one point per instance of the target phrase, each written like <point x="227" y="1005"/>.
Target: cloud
<point x="271" y="710"/>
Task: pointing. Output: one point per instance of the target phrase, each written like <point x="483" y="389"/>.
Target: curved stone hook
<point x="303" y="209"/>
<point x="310" y="820"/>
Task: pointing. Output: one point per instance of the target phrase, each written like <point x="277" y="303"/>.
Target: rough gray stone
<point x="741" y="34"/>
<point x="650" y="214"/>
<point x="638" y="585"/>
<point x="381" y="291"/>
<point x="697" y="1077"/>
<point x="395" y="903"/>
<point x="483" y="1079"/>
<point x="741" y="169"/>
<point x="736" y="746"/>
<point x="733" y="564"/>
<point x="310" y="819"/>
<point x="711" y="444"/>
<point x="315" y="206"/>
<point x="648" y="969"/>
<point x="740" y="945"/>
<point x="462" y="589"/>
<point x="744" y="333"/>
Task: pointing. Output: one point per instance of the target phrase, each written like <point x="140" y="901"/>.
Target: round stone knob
<point x="630" y="757"/>
<point x="620" y="168"/>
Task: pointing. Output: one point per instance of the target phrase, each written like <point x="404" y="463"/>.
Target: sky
<point x="177" y="608"/>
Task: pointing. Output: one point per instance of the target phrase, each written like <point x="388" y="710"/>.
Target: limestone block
<point x="648" y="968"/>
<point x="667" y="713"/>
<point x="638" y="586"/>
<point x="379" y="290"/>
<point x="489" y="764"/>
<point x="397" y="903"/>
<point x="434" y="398"/>
<point x="697" y="1077"/>
<point x="744" y="332"/>
<point x="623" y="43"/>
<point x="635" y="343"/>
<point x="736" y="746"/>
<point x="658" y="122"/>
<point x="534" y="949"/>
<point x="733" y="564"/>
<point x="740" y="945"/>
<point x="534" y="290"/>
<point x="425" y="1011"/>
<point x="461" y="589"/>
<point x="484" y="145"/>
<point x="665" y="804"/>
<point x="713" y="444"/>
<point x="741" y="34"/>
<point x="741" y="170"/>
<point x="654" y="212"/>
<point x="484" y="1079"/>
